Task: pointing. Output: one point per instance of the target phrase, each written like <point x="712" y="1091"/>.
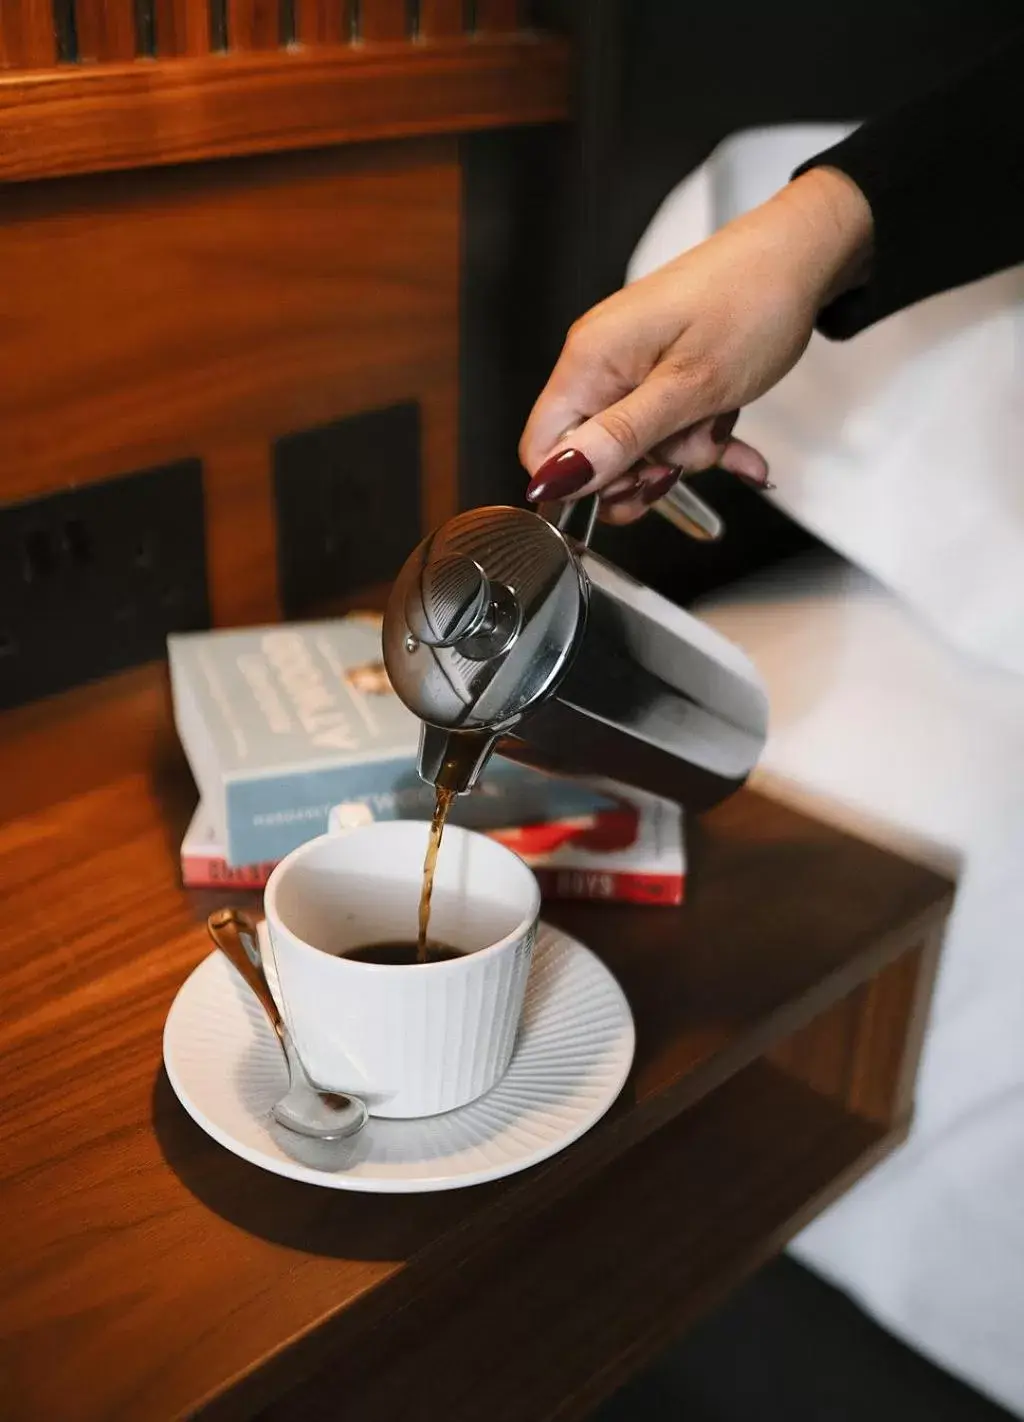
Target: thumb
<point x="610" y="443"/>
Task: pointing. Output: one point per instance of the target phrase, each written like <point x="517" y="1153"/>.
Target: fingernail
<point x="723" y="425"/>
<point x="658" y="488"/>
<point x="561" y="476"/>
<point x="623" y="496"/>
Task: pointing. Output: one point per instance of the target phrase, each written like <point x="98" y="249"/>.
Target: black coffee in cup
<point x="402" y="952"/>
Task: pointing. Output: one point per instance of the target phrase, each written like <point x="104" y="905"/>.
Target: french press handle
<point x="576" y="520"/>
<point x="680" y="506"/>
<point x="689" y="514"/>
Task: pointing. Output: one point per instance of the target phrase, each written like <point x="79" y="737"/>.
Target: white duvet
<point x="904" y="449"/>
<point x="898" y="708"/>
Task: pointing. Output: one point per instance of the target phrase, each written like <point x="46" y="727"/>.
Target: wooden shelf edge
<point x="677" y="1230"/>
<point x="83" y="119"/>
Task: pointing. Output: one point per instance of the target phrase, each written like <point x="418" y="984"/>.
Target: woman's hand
<point x="658" y="373"/>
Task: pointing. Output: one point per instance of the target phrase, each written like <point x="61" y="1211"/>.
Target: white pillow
<point x="902" y="449"/>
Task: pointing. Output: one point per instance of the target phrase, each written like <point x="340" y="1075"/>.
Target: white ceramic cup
<point x="412" y="1040"/>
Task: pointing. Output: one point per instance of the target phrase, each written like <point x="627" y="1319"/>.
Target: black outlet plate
<point x="347" y="497"/>
<point x="92" y="579"/>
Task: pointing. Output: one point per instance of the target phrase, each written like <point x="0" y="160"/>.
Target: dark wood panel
<point x="823" y="1054"/>
<point x="894" y="1018"/>
<point x="440" y="19"/>
<point x="105" y="29"/>
<point x="864" y="1051"/>
<point x="27" y="39"/>
<point x="254" y="24"/>
<point x="495" y="17"/>
<point x="241" y="533"/>
<point x="323" y="22"/>
<point x="208" y="311"/>
<point x="383" y="20"/>
<point x="83" y="118"/>
<point x="182" y="27"/>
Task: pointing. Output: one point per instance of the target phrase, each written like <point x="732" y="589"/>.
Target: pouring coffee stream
<point x="505" y="630"/>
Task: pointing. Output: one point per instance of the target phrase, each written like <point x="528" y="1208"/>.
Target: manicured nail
<point x="658" y="488"/>
<point x="623" y="496"/>
<point x="561" y="476"/>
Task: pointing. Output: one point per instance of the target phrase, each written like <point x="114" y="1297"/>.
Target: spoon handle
<point x="234" y="933"/>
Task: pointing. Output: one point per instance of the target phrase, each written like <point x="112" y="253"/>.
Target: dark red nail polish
<point x="658" y="488"/>
<point x="561" y="476"/>
<point x="623" y="496"/>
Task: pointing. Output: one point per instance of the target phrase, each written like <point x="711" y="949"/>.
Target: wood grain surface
<point x="105" y="29"/>
<point x="26" y="34"/>
<point x="440" y="19"/>
<point x="383" y="20"/>
<point x="182" y="28"/>
<point x="148" y="1274"/>
<point x="319" y="22"/>
<point x="207" y="311"/>
<point x="92" y="118"/>
<point x="254" y="24"/>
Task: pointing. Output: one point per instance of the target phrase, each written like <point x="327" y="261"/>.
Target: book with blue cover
<point x="280" y="723"/>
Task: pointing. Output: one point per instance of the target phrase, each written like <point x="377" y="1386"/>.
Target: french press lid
<point x="484" y="618"/>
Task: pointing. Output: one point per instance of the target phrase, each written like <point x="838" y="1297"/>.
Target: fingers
<point x="643" y="486"/>
<point x="742" y="459"/>
<point x="701" y="445"/>
<point x="550" y="418"/>
<point x="606" y="446"/>
<point x="630" y="498"/>
<point x="607" y="453"/>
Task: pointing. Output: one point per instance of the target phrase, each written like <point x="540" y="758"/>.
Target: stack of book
<point x="281" y="725"/>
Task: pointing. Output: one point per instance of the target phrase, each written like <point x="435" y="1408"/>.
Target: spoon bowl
<point x="305" y="1108"/>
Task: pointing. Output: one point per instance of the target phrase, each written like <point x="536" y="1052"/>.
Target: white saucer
<point x="572" y="1058"/>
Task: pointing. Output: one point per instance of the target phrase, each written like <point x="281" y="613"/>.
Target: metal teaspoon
<point x="304" y="1108"/>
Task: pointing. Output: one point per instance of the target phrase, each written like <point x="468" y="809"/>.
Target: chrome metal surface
<point x="304" y="1108"/>
<point x="690" y="514"/>
<point x="576" y="518"/>
<point x="454" y="759"/>
<point x="449" y="602"/>
<point x="602" y="676"/>
<point x="490" y="674"/>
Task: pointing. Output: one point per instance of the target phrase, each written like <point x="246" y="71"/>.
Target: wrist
<point x="836" y="223"/>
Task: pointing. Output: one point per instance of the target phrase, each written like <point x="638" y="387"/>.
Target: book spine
<point x="207" y="871"/>
<point x="612" y="886"/>
<point x="200" y="871"/>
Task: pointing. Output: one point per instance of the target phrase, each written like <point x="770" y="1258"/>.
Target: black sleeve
<point x="944" y="177"/>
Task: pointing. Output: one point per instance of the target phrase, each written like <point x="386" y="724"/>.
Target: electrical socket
<point x="93" y="578"/>
<point x="347" y="505"/>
